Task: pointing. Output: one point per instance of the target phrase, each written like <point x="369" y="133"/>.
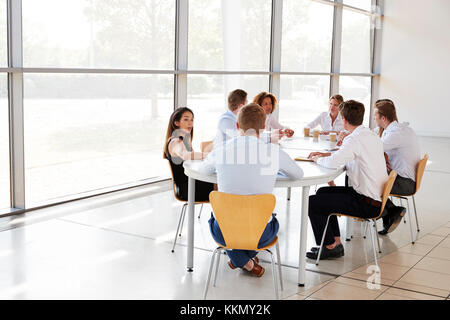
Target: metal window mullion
<point x="15" y="101"/>
<point x="336" y="49"/>
<point x="376" y="33"/>
<point x="181" y="52"/>
<point x="275" y="49"/>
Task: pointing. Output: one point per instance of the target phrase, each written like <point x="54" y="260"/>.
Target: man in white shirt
<point x="401" y="147"/>
<point x="226" y="128"/>
<point x="362" y="155"/>
<point x="246" y="165"/>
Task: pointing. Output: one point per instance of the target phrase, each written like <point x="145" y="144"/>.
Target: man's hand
<point x="316" y="155"/>
<point x="341" y="137"/>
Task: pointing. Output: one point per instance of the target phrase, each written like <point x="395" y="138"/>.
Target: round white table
<point x="313" y="175"/>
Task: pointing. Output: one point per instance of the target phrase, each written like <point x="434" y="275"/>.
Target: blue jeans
<point x="240" y="257"/>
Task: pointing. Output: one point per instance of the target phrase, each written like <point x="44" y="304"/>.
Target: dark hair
<point x="386" y="108"/>
<point x="236" y="98"/>
<point x="262" y="95"/>
<point x="176" y="116"/>
<point x="352" y="111"/>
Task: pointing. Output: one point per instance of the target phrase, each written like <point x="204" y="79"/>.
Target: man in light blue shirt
<point x="247" y="165"/>
<point x="226" y="127"/>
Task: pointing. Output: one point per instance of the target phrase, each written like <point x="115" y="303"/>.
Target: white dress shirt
<point x="226" y="128"/>
<point x="246" y="165"/>
<point x="272" y="123"/>
<point x="402" y="147"/>
<point x="324" y="120"/>
<point x="362" y="154"/>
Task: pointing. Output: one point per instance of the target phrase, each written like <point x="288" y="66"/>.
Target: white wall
<point x="415" y="63"/>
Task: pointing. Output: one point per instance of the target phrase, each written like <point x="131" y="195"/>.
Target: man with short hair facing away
<point x="226" y="128"/>
<point x="246" y="165"/>
<point x="401" y="147"/>
<point x="362" y="155"/>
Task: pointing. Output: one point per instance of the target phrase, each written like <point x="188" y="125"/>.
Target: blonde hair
<point x="262" y="95"/>
<point x="337" y="97"/>
<point x="251" y="116"/>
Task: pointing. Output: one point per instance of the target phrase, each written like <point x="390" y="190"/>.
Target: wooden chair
<point x="242" y="220"/>
<point x="387" y="189"/>
<point x="183" y="210"/>
<point x="419" y="175"/>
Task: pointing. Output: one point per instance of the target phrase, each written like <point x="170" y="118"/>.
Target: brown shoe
<point x="257" y="270"/>
<point x="231" y="265"/>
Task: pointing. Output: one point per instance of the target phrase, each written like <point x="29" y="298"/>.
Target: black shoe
<point x="316" y="249"/>
<point x="395" y="218"/>
<point x="336" y="252"/>
<point x="383" y="232"/>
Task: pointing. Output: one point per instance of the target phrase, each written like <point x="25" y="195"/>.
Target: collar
<point x="231" y="114"/>
<point x="392" y="126"/>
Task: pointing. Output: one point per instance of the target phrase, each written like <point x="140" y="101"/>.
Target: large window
<point x="86" y="132"/>
<point x="207" y="97"/>
<point x="99" y="80"/>
<point x="99" y="34"/>
<point x="302" y="98"/>
<point x="306" y="37"/>
<point x="229" y="35"/>
<point x="4" y="145"/>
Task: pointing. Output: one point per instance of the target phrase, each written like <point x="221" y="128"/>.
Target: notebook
<point x="303" y="159"/>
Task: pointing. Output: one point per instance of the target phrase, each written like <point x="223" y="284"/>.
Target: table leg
<point x="303" y="237"/>
<point x="190" y="235"/>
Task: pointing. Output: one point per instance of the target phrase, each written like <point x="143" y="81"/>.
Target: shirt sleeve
<point x="315" y="122"/>
<point x="391" y="140"/>
<point x="289" y="167"/>
<point x="208" y="165"/>
<point x="275" y="124"/>
<point x="228" y="127"/>
<point x="344" y="155"/>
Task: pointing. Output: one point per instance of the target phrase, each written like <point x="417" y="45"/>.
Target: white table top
<point x="310" y="144"/>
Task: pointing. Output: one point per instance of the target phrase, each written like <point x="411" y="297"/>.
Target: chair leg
<point x="200" y="213"/>
<point x="323" y="239"/>
<point x="274" y="276"/>
<point x="277" y="248"/>
<point x="182" y="220"/>
<point x="365" y="223"/>
<point x="217" y="268"/>
<point x="401" y="204"/>
<point x="376" y="233"/>
<point x="372" y="236"/>
<point x="289" y="194"/>
<point x="178" y="227"/>
<point x="410" y="223"/>
<point x="208" y="280"/>
<point x="348" y="232"/>
<point x="415" y="212"/>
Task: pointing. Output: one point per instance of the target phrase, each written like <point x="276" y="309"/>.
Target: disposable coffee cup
<point x="333" y="137"/>
<point x="316" y="134"/>
<point x="306" y="131"/>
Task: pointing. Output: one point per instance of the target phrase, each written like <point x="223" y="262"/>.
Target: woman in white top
<point x="269" y="103"/>
<point x="330" y="121"/>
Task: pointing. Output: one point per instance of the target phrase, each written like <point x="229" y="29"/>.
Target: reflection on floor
<point x="118" y="246"/>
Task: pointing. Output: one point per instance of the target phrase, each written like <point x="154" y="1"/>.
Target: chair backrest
<point x="242" y="218"/>
<point x="174" y="186"/>
<point x="206" y="146"/>
<point x="420" y="170"/>
<point x="387" y="190"/>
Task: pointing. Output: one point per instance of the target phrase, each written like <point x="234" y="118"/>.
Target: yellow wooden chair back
<point x="242" y="218"/>
<point x="420" y="170"/>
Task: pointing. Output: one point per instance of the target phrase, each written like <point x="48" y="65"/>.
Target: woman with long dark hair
<point x="178" y="148"/>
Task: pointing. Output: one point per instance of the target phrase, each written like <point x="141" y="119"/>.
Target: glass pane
<point x="85" y="132"/>
<point x="355" y="49"/>
<point x="361" y="4"/>
<point x="99" y="34"/>
<point x="357" y="88"/>
<point x="207" y="97"/>
<point x="4" y="144"/>
<point x="3" y="35"/>
<point x="306" y="39"/>
<point x="229" y="35"/>
<point x="302" y="99"/>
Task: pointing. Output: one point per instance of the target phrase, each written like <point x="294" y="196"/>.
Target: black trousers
<point x="329" y="200"/>
<point x="403" y="187"/>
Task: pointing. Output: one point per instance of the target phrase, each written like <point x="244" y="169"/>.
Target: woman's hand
<point x="288" y="133"/>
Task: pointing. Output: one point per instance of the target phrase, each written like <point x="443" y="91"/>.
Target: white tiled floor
<point x="118" y="246"/>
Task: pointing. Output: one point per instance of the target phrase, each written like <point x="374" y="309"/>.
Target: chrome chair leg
<point x="376" y="233"/>
<point x="372" y="236"/>
<point x="200" y="213"/>
<point x="217" y="267"/>
<point x="415" y="212"/>
<point x="182" y="220"/>
<point x="277" y="248"/>
<point x="410" y="223"/>
<point x="323" y="239"/>
<point x="289" y="194"/>
<point x="208" y="280"/>
<point x="274" y="276"/>
<point x="365" y="223"/>
<point x="183" y="209"/>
